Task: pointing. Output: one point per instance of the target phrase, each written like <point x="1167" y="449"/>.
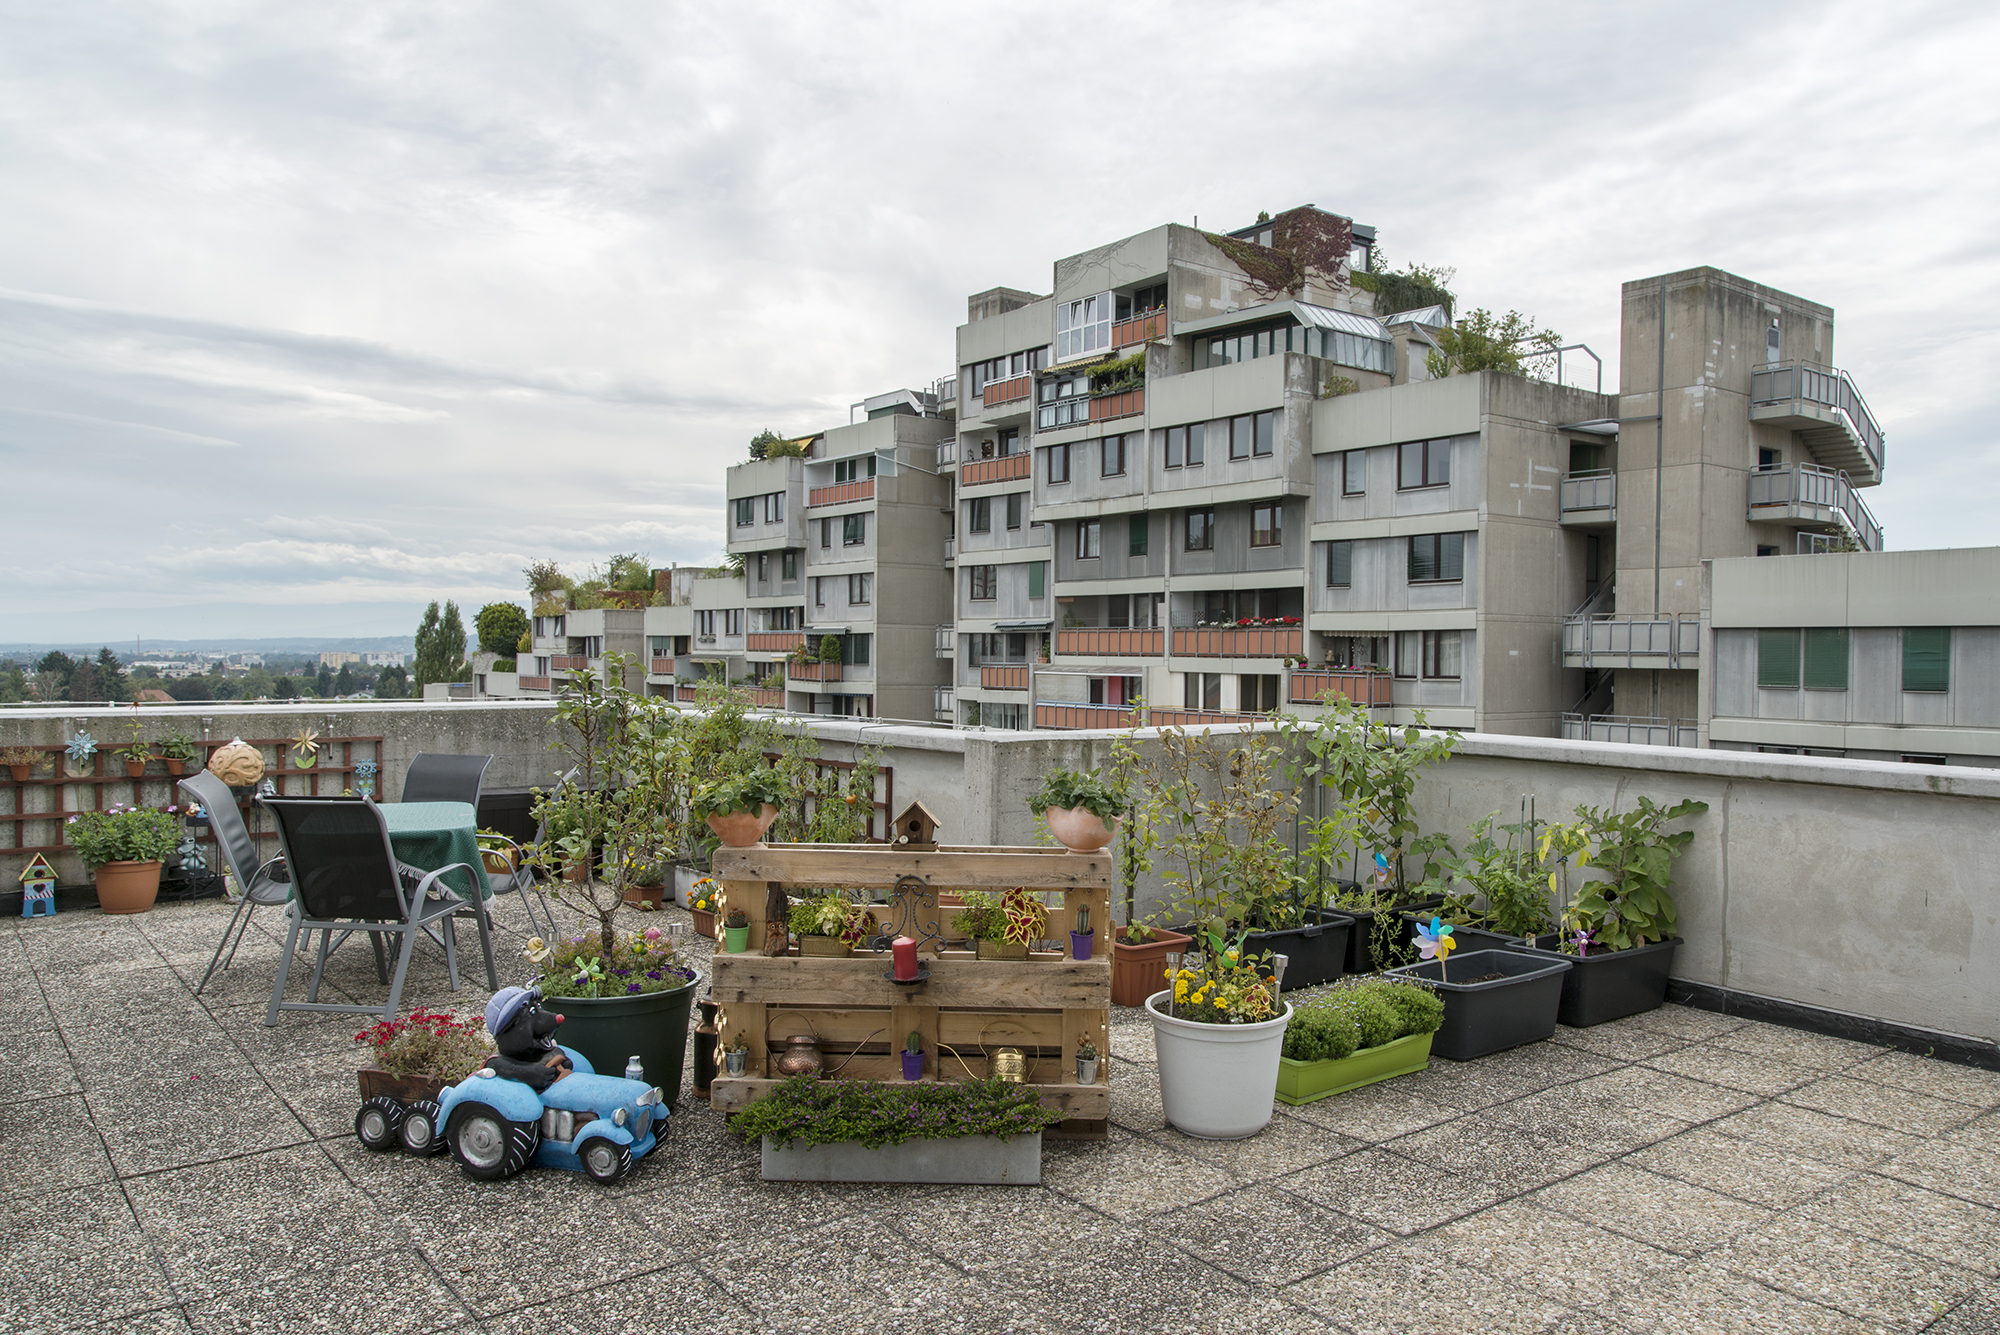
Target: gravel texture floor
<point x="173" y="1165"/>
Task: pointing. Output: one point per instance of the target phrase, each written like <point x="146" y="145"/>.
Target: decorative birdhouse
<point x="38" y="888"/>
<point x="916" y="829"/>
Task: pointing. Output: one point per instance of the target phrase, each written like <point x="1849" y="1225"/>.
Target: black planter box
<point x="1360" y="948"/>
<point x="1610" y="984"/>
<point x="1501" y="1013"/>
<point x="1315" y="954"/>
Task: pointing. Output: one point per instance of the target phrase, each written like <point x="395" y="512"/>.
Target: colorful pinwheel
<point x="1435" y="942"/>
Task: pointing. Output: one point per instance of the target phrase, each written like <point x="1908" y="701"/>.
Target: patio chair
<point x="261" y="885"/>
<point x="346" y="879"/>
<point x="432" y="777"/>
<point x="523" y="879"/>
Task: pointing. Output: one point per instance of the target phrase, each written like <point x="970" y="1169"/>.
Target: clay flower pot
<point x="1080" y="830"/>
<point x="127" y="887"/>
<point x="21" y="772"/>
<point x="741" y="829"/>
<point x="176" y="768"/>
<point x="135" y="768"/>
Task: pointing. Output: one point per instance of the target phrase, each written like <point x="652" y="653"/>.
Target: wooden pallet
<point x="1045" y="1006"/>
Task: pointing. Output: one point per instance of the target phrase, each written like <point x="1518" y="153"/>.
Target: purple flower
<point x="653" y="974"/>
<point x="631" y="988"/>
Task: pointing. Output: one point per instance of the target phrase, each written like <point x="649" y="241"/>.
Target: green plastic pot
<point x="736" y="940"/>
<point x="1305" y="1082"/>
<point x="610" y="1031"/>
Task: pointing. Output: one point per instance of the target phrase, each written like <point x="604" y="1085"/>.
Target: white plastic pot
<point x="1217" y="1081"/>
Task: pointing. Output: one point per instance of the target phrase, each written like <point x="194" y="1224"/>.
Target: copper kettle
<point x="800" y="1057"/>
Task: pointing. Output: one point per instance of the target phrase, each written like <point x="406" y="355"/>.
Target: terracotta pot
<point x="645" y="894"/>
<point x="135" y="768"/>
<point x="1080" y="830"/>
<point x="741" y="829"/>
<point x="127" y="887"/>
<point x="704" y="922"/>
<point x="378" y="1083"/>
<point x="176" y="768"/>
<point x="21" y="772"/>
<point x="1138" y="971"/>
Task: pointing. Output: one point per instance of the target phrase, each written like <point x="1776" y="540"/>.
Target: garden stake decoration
<point x="1435" y="942"/>
<point x="80" y="749"/>
<point x="306" y="747"/>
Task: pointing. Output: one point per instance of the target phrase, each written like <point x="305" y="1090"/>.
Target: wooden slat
<point x="1077" y="1101"/>
<point x="880" y="868"/>
<point x="1054" y="985"/>
<point x="747" y="1019"/>
<point x="965" y="1029"/>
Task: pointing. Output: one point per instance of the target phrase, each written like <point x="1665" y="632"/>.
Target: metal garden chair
<point x="433" y="777"/>
<point x="268" y="884"/>
<point x="524" y="878"/>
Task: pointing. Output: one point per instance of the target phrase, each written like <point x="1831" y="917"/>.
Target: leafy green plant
<point x="981" y="918"/>
<point x="1483" y="341"/>
<point x="177" y="745"/>
<point x="1507" y="891"/>
<point x="440" y="1045"/>
<point x="744" y="792"/>
<point x="829" y="648"/>
<point x="638" y="963"/>
<point x="830" y="914"/>
<point x="24" y="755"/>
<point x="124" y="834"/>
<point x="1630" y="904"/>
<point x="500" y="627"/>
<point x="1069" y="789"/>
<point x="826" y="1112"/>
<point x="1361" y="1013"/>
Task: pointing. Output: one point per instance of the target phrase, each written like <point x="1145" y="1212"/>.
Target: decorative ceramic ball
<point x="237" y="764"/>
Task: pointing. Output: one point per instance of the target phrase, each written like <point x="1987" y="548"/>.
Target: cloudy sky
<point x="312" y="313"/>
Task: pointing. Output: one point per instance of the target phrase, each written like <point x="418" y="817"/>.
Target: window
<point x="819" y="590"/>
<point x="1137" y="530"/>
<point x="1929" y="758"/>
<point x="1199" y="531"/>
<point x="860" y="589"/>
<point x="1058" y="463"/>
<point x="1083" y="325"/>
<point x="979" y="515"/>
<point x="1437" y="558"/>
<point x="1408" y="643"/>
<point x="1354" y="473"/>
<point x="1441" y="651"/>
<point x="854" y="649"/>
<point x="1201" y="690"/>
<point x="704" y="623"/>
<point x="746" y="512"/>
<point x="1037" y="579"/>
<point x="1184" y="445"/>
<point x="732" y="621"/>
<point x="1778" y="659"/>
<point x="1014" y="510"/>
<point x="1927" y="658"/>
<point x="1257" y="694"/>
<point x="1768" y="460"/>
<point x="774" y="507"/>
<point x="763" y="567"/>
<point x="1088" y="542"/>
<point x="849" y="470"/>
<point x="1239" y="437"/>
<point x="1267" y="525"/>
<point x="1143" y="299"/>
<point x="1825" y="665"/>
<point x="788" y="565"/>
<point x="853" y="530"/>
<point x="1265" y="431"/>
<point x="1114" y="457"/>
<point x="1423" y="463"/>
<point x="984" y="583"/>
<point x="1064" y="400"/>
<point x="825" y="533"/>
<point x="1339" y="565"/>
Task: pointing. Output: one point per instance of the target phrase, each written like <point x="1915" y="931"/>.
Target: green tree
<point x="761" y="443"/>
<point x="392" y="683"/>
<point x="258" y="684"/>
<point x="191" y="688"/>
<point x="344" y="683"/>
<point x="323" y="683"/>
<point x="60" y="668"/>
<point x="284" y="688"/>
<point x="500" y="626"/>
<point x="440" y="648"/>
<point x="13" y="685"/>
<point x="111" y="683"/>
<point x="1483" y="341"/>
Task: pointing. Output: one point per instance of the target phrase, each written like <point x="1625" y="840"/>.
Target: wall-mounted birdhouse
<point x="38" y="888"/>
<point x="916" y="829"/>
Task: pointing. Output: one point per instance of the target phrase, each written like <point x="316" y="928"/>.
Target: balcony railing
<point x="773" y="698"/>
<point x="686" y="693"/>
<point x="661" y="667"/>
<point x="1150" y="324"/>
<point x="1631" y="642"/>
<point x="1806" y="393"/>
<point x="1241" y="642"/>
<point x="1130" y="403"/>
<point x="1363" y="688"/>
<point x="1004" y="468"/>
<point x="1197" y="718"/>
<point x="1008" y="391"/>
<point x="842" y="493"/>
<point x="812" y="671"/>
<point x="942" y="707"/>
<point x="773" y="641"/>
<point x="947" y="452"/>
<point x="1814" y="494"/>
<point x="950" y="550"/>
<point x="1631" y="729"/>
<point x="1062" y="714"/>
<point x="1010" y="677"/>
<point x="947" y="639"/>
<point x="534" y="683"/>
<point x="1110" y="642"/>
<point x="1595" y="490"/>
<point x="569" y="663"/>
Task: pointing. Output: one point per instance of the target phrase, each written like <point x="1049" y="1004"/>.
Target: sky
<point x="312" y="314"/>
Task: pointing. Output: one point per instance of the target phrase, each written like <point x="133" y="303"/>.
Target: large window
<point x="1198" y="532"/>
<point x="746" y="512"/>
<point x="1201" y="690"/>
<point x="1778" y="659"/>
<point x="850" y="470"/>
<point x="1825" y="659"/>
<point x="1267" y="525"/>
<point x="1063" y="401"/>
<point x="1354" y="473"/>
<point x="1423" y="463"/>
<point x="979" y="515"/>
<point x="860" y="589"/>
<point x="1089" y="540"/>
<point x="1257" y="694"/>
<point x="774" y="507"/>
<point x="1137" y="531"/>
<point x="1437" y="558"/>
<point x="1441" y="653"/>
<point x="819" y="590"/>
<point x="1927" y="658"/>
<point x="984" y="583"/>
<point x="763" y="567"/>
<point x="1184" y="445"/>
<point x="1058" y="463"/>
<point x="1038" y="579"/>
<point x="853" y="530"/>
<point x="788" y="565"/>
<point x="1083" y="325"/>
<point x="1335" y="345"/>
<point x="854" y="649"/>
<point x="1339" y="565"/>
<point x="1150" y="298"/>
<point x="732" y="621"/>
<point x="978" y="375"/>
<point x="1113" y="462"/>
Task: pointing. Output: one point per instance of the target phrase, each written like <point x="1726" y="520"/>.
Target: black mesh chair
<point x="524" y="878"/>
<point x="263" y="884"/>
<point x="346" y="879"/>
<point x="441" y="778"/>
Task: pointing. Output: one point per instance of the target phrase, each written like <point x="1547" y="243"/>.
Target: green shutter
<point x="1135" y="537"/>
<point x="1927" y="658"/>
<point x="1826" y="658"/>
<point x="1036" y="577"/>
<point x="1778" y="659"/>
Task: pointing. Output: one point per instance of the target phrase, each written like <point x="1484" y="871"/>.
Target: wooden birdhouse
<point x="38" y="888"/>
<point x="916" y="829"/>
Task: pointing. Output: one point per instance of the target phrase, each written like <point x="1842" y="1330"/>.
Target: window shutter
<point x="1927" y="658"/>
<point x="1778" y="659"/>
<point x="1826" y="658"/>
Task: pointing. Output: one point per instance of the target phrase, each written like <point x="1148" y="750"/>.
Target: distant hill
<point x="292" y="645"/>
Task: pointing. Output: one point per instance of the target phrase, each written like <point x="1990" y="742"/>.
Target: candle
<point x="906" y="958"/>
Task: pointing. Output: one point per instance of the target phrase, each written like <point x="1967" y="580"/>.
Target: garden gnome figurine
<point x="524" y="1033"/>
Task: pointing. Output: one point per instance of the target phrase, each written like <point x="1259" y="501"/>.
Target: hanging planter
<point x="1081" y="811"/>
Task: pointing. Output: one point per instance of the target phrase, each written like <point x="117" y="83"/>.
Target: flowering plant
<point x="1225" y="987"/>
<point x="438" y="1044"/>
<point x="1248" y="623"/>
<point x="832" y="914"/>
<point x="706" y="894"/>
<point x="124" y="834"/>
<point x="640" y="962"/>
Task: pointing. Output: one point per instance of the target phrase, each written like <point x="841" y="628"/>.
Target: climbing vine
<point x="1305" y="243"/>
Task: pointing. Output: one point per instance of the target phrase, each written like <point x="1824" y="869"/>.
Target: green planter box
<point x="1303" y="1082"/>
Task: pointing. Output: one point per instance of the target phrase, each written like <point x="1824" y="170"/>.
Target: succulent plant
<point x="1086" y="1051"/>
<point x="915" y="1042"/>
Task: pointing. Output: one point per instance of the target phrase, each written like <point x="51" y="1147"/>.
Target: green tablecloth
<point x="436" y="834"/>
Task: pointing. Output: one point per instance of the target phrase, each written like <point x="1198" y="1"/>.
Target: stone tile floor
<point x="172" y="1164"/>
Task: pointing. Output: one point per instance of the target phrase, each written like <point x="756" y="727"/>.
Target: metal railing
<point x="1612" y="641"/>
<point x="532" y="683"/>
<point x="1141" y="327"/>
<point x="1002" y="468"/>
<point x="1800" y="383"/>
<point x="1111" y="641"/>
<point x="1129" y="403"/>
<point x="947" y="638"/>
<point x="1240" y="642"/>
<point x="942" y="706"/>
<point x="1067" y="714"/>
<point x="1010" y="390"/>
<point x="662" y="667"/>
<point x="1822" y="488"/>
<point x="842" y="493"/>
<point x="1364" y="688"/>
<point x="773" y="641"/>
<point x="1632" y="729"/>
<point x="1157" y="717"/>
<point x="1007" y="677"/>
<point x="1593" y="490"/>
<point x="812" y="671"/>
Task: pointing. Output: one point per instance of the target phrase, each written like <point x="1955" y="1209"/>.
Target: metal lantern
<point x="238" y="764"/>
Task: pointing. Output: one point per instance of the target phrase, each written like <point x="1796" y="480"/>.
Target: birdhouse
<point x="38" y="888"/>
<point x="916" y="829"/>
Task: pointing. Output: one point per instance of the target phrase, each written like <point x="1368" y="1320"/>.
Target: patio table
<point x="430" y="835"/>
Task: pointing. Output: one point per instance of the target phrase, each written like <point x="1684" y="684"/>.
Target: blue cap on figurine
<point x="505" y="1005"/>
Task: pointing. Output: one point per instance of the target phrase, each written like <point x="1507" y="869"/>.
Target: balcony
<point x="947" y="640"/>
<point x="942" y="707"/>
<point x="534" y="683"/>
<point x="1198" y="718"/>
<point x="1824" y="407"/>
<point x="1808" y="494"/>
<point x="1007" y="677"/>
<point x="774" y="698"/>
<point x="661" y="667"/>
<point x="1004" y="468"/>
<point x="842" y="493"/>
<point x="1363" y="688"/>
<point x="569" y="663"/>
<point x="1240" y="642"/>
<point x="1063" y="714"/>
<point x="947" y="452"/>
<point x="687" y="693"/>
<point x="773" y="641"/>
<point x="1630" y="729"/>
<point x="1590" y="498"/>
<point x="1139" y="329"/>
<point x="1110" y="642"/>
<point x="1000" y="392"/>
<point x="1631" y="642"/>
<point x="1129" y="403"/>
<point x="812" y="671"/>
<point x="950" y="550"/>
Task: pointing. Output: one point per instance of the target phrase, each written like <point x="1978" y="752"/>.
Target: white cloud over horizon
<point x="311" y="311"/>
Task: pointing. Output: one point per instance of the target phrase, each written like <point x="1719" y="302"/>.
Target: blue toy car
<point x="584" y="1122"/>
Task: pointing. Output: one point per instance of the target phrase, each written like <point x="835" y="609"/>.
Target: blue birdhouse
<point x="38" y="888"/>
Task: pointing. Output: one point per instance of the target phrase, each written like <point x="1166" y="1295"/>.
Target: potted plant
<point x="177" y="748"/>
<point x="1363" y="1031"/>
<point x="701" y="905"/>
<point x="1219" y="1031"/>
<point x="736" y="1057"/>
<point x="1618" y="933"/>
<point x="1493" y="999"/>
<point x="1082" y="813"/>
<point x="645" y="879"/>
<point x="23" y="761"/>
<point x="829" y="925"/>
<point x="1003" y="927"/>
<point x="913" y="1056"/>
<point x="134" y="757"/>
<point x="412" y="1060"/>
<point x="1139" y="961"/>
<point x="1082" y="937"/>
<point x="124" y="848"/>
<point x="736" y="932"/>
<point x="1506" y="897"/>
<point x="980" y="1131"/>
<point x="739" y="809"/>
<point x="1086" y="1063"/>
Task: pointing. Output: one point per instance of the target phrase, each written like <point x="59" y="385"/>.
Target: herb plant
<point x="177" y="745"/>
<point x="1071" y="790"/>
<point x="1361" y="1013"/>
<point x="826" y="1112"/>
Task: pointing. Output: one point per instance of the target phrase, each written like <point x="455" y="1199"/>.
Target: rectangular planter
<point x="1360" y="950"/>
<point x="1314" y="954"/>
<point x="982" y="1160"/>
<point x="824" y="947"/>
<point x="1611" y="984"/>
<point x="378" y="1083"/>
<point x="1139" y="971"/>
<point x="1002" y="950"/>
<point x="1305" y="1082"/>
<point x="1501" y="1013"/>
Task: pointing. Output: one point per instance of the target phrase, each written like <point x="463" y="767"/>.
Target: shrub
<point x="824" y="1112"/>
<point x="1361" y="1013"/>
<point x="124" y="834"/>
<point x="500" y="627"/>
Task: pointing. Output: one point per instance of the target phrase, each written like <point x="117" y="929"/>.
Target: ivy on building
<point x="1306" y="243"/>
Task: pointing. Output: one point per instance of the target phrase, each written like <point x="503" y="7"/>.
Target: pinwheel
<point x="81" y="747"/>
<point x="1435" y="942"/>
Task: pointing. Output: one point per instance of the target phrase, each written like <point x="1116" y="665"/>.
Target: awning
<point x="826" y="630"/>
<point x="1022" y="625"/>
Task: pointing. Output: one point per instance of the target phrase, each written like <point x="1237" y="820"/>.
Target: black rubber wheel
<point x="376" y="1125"/>
<point x="604" y="1161"/>
<point x="487" y="1145"/>
<point x="419" y="1132"/>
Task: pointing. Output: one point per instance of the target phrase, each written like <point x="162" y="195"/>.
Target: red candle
<point x="906" y="958"/>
